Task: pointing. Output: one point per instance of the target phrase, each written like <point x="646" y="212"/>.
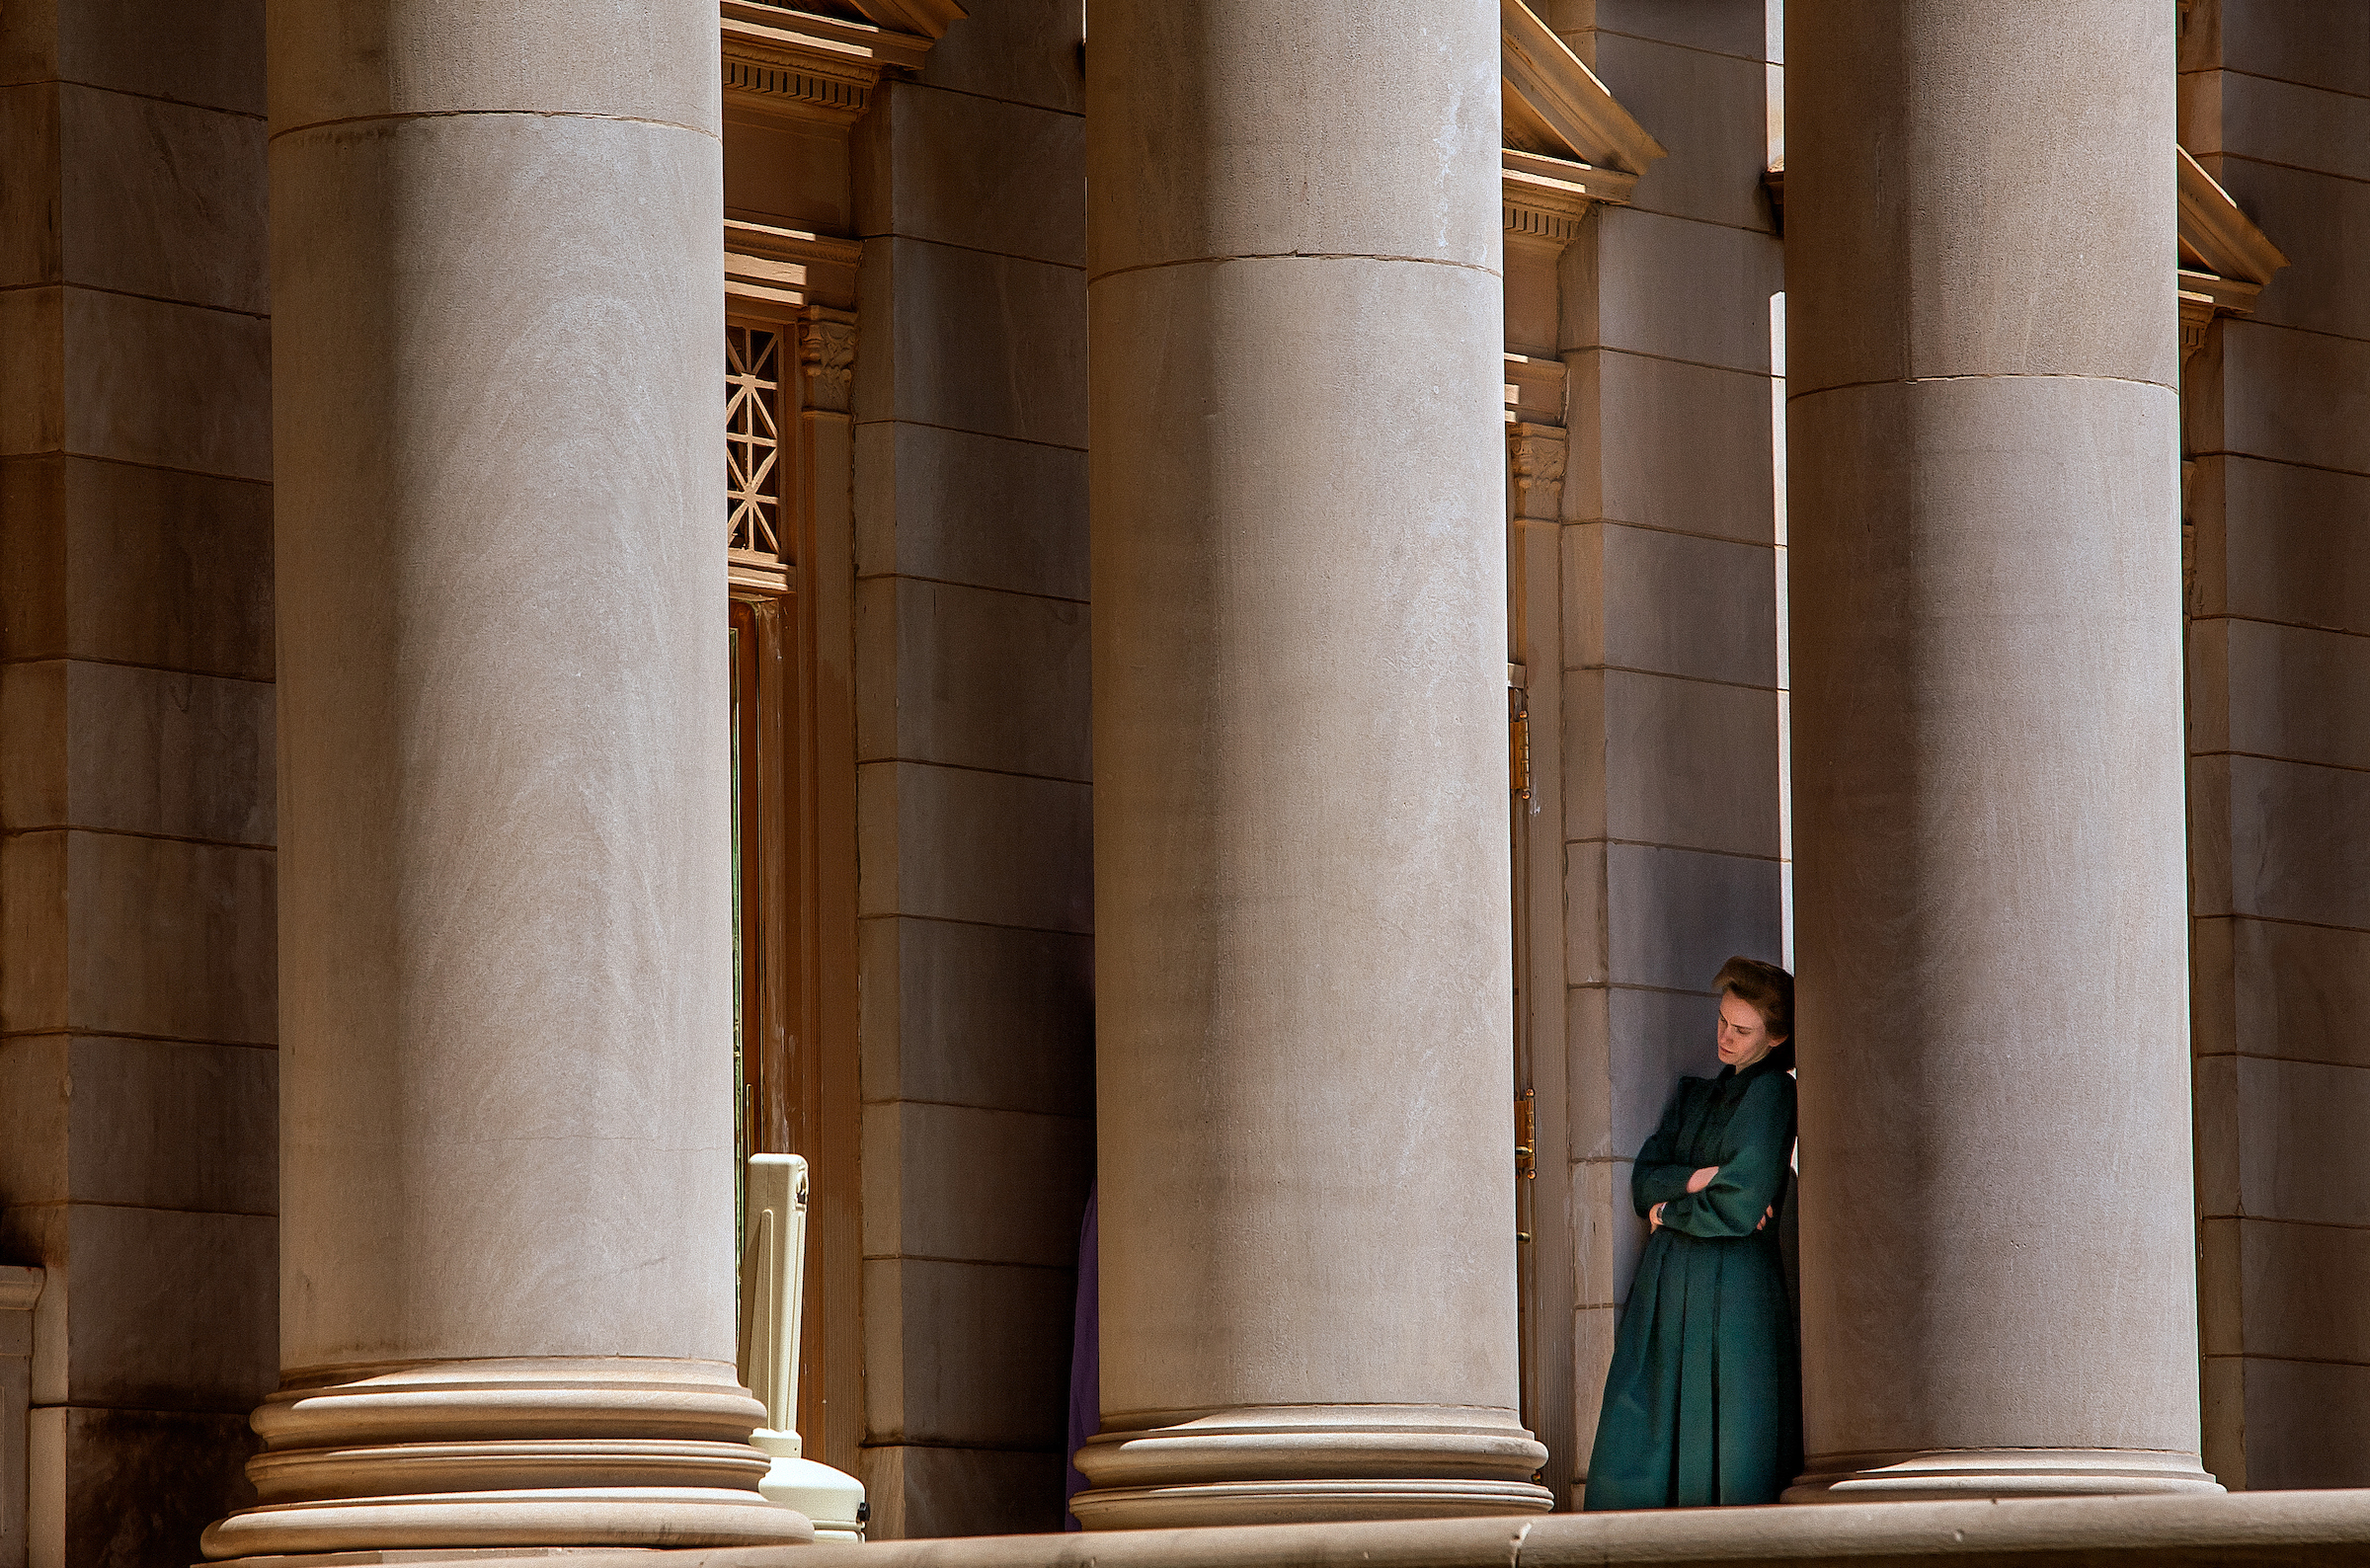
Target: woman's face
<point x="1744" y="1037"/>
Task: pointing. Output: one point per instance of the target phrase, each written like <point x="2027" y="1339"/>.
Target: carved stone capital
<point x="1534" y="456"/>
<point x="826" y="358"/>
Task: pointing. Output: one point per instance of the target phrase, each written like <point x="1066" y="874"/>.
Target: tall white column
<point x="1998" y="1292"/>
<point x="1302" y="971"/>
<point x="507" y="1290"/>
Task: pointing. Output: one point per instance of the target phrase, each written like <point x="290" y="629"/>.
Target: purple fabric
<point x="1086" y="1364"/>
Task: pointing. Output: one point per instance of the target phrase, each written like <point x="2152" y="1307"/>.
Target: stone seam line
<point x="469" y="114"/>
<point x="1978" y="376"/>
<point x="1293" y="256"/>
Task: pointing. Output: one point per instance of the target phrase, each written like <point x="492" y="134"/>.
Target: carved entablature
<point x="780" y="59"/>
<point x="1568" y="143"/>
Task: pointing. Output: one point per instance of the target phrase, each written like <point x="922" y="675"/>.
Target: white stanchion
<point x="773" y="1273"/>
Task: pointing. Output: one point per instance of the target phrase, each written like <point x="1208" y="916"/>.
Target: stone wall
<point x="137" y="1072"/>
<point x="975" y="857"/>
<point x="2275" y="103"/>
<point x="1670" y="706"/>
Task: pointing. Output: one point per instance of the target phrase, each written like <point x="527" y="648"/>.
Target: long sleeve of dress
<point x="1659" y="1175"/>
<point x="1753" y="1166"/>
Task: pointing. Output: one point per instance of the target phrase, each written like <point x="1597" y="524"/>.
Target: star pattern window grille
<point x="752" y="384"/>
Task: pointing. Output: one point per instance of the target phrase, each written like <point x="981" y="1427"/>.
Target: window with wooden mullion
<point x="754" y="354"/>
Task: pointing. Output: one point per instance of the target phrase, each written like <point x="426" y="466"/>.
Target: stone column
<point x="1303" y="964"/>
<point x="506" y="1278"/>
<point x="1998" y="1275"/>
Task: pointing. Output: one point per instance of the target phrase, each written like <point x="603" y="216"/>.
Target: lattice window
<point x="752" y="385"/>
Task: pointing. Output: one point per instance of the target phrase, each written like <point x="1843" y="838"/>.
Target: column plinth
<point x="1940" y="1475"/>
<point x="506" y="1452"/>
<point x="1999" y="1294"/>
<point x="1304" y="1022"/>
<point x="1276" y="1467"/>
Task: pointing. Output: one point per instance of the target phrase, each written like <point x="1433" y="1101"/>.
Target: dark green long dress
<point x="1703" y="1403"/>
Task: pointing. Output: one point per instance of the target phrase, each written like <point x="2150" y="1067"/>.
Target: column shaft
<point x="1997" y="1256"/>
<point x="507" y="1289"/>
<point x="1303" y="960"/>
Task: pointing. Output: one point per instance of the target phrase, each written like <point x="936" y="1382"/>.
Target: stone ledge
<point x="2326" y="1530"/>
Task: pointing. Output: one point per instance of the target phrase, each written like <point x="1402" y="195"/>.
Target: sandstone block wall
<point x="974" y="803"/>
<point x="138" y="1099"/>
<point x="1671" y="710"/>
<point x="2275" y="103"/>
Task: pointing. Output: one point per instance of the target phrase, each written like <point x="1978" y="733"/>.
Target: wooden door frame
<point x="799" y="835"/>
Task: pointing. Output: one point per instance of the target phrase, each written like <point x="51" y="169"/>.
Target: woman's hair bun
<point x="1767" y="989"/>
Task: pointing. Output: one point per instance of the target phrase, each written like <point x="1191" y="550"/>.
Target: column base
<point x="1311" y="1463"/>
<point x="506" y="1454"/>
<point x="1945" y="1475"/>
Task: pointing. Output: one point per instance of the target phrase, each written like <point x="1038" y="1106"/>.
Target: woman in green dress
<point x="1703" y="1403"/>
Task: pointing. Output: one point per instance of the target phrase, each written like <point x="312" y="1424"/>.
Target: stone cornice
<point x="929" y="18"/>
<point x="1548" y="89"/>
<point x="792" y="61"/>
<point x="1534" y="390"/>
<point x="1546" y="198"/>
<point x="2224" y="259"/>
<point x="789" y="267"/>
<point x="2215" y="236"/>
<point x="2204" y="296"/>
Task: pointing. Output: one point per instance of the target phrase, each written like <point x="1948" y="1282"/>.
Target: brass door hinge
<point x="1518" y="743"/>
<point x="1526" y="1145"/>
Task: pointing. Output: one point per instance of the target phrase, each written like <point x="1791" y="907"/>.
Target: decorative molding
<point x="20" y="1288"/>
<point x="1530" y="220"/>
<point x="833" y="96"/>
<point x="827" y="358"/>
<point x="2224" y="259"/>
<point x="929" y="18"/>
<point x="1550" y="94"/>
<point x="1546" y="198"/>
<point x="2204" y="296"/>
<point x="2196" y="314"/>
<point x="790" y="62"/>
<point x="2215" y="236"/>
<point x="795" y="245"/>
<point x="787" y="267"/>
<point x="764" y="573"/>
<point x="1534" y="458"/>
<point x="2231" y="297"/>
<point x="1534" y="390"/>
